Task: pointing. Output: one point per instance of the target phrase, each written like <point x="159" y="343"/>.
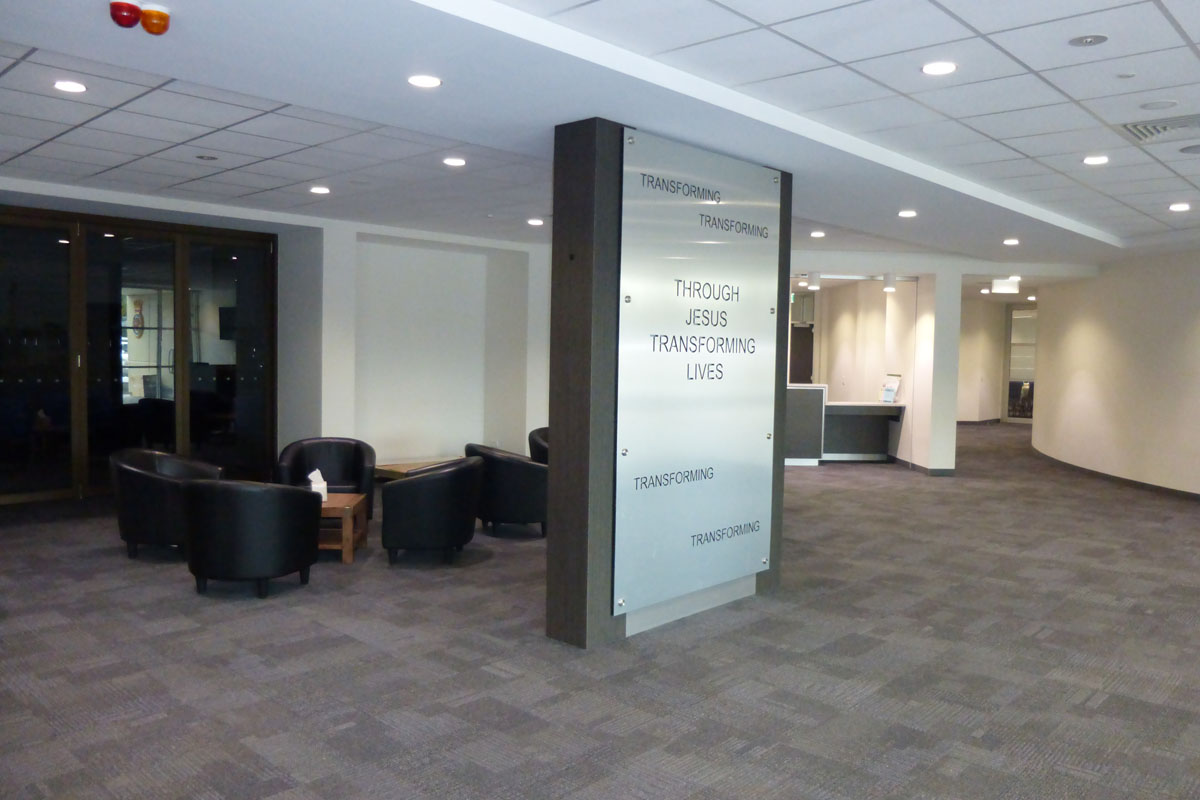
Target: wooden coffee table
<point x="390" y="472"/>
<point x="351" y="509"/>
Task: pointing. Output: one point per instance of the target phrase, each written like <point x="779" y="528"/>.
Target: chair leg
<point x="304" y="576"/>
<point x="201" y="585"/>
<point x="260" y="585"/>
<point x="393" y="554"/>
<point x="131" y="549"/>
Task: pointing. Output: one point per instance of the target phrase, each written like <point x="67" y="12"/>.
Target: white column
<point x="935" y="389"/>
<point x="339" y="304"/>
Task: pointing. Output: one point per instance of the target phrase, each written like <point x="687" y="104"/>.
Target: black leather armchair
<point x="432" y="508"/>
<point x="243" y="530"/>
<point x="539" y="445"/>
<point x="348" y="466"/>
<point x="514" y="487"/>
<point x="149" y="489"/>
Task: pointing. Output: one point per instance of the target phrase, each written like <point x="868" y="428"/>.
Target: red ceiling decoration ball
<point x="155" y="18"/>
<point x="125" y="14"/>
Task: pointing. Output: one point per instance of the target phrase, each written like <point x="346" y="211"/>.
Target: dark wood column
<point x="584" y="289"/>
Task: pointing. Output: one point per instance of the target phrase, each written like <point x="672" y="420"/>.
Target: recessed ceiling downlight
<point x="817" y="234"/>
<point x="1180" y="207"/>
<point x="1032" y="298"/>
<point x="938" y="68"/>
<point x="907" y="213"/>
<point x="1095" y="161"/>
<point x="536" y="221"/>
<point x="1158" y="105"/>
<point x="425" y="81"/>
<point x="319" y="189"/>
<point x="1191" y="149"/>
<point x="985" y="291"/>
<point x="73" y="87"/>
<point x="454" y="161"/>
<point x="1012" y="242"/>
<point x="1088" y="41"/>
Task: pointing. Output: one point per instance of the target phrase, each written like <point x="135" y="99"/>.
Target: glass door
<point x="1022" y="350"/>
<point x="231" y="396"/>
<point x="130" y="345"/>
<point x="35" y="361"/>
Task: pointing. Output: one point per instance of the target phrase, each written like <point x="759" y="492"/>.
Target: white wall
<point x="537" y="339"/>
<point x="981" y="361"/>
<point x="1118" y="372"/>
<point x="420" y="372"/>
<point x="299" y="349"/>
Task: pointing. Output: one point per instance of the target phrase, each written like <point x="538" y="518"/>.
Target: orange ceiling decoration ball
<point x="125" y="14"/>
<point x="155" y="18"/>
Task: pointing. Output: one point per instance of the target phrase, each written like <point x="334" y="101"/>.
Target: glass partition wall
<point x="118" y="333"/>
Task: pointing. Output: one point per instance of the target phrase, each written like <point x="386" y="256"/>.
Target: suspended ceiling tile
<point x="129" y="123"/>
<point x="59" y="168"/>
<point x="222" y="96"/>
<point x="212" y="185"/>
<point x="329" y="160"/>
<point x="277" y="200"/>
<point x="743" y="57"/>
<point x="180" y="169"/>
<point x="89" y="67"/>
<point x="17" y="144"/>
<point x="192" y="154"/>
<point x="108" y="140"/>
<point x="286" y="170"/>
<point x="39" y="79"/>
<point x="944" y="133"/>
<point x="769" y="12"/>
<point x="990" y="17"/>
<point x="652" y="27"/>
<point x="1118" y="157"/>
<point x="1114" y="176"/>
<point x="379" y="148"/>
<point x="978" y="153"/>
<point x="519" y="174"/>
<point x="977" y="60"/>
<point x="13" y="50"/>
<point x="820" y="88"/>
<point x="6" y="62"/>
<point x="29" y="127"/>
<point x="1189" y="169"/>
<point x="1144" y="72"/>
<point x="876" y="115"/>
<point x="291" y="129"/>
<point x="192" y="191"/>
<point x="84" y="155"/>
<point x="1001" y="94"/>
<point x="251" y="180"/>
<point x="53" y="109"/>
<point x="1126" y="108"/>
<point x="186" y="108"/>
<point x="1170" y="152"/>
<point x="1137" y="28"/>
<point x="1187" y="14"/>
<point x="1079" y="143"/>
<point x="417" y="137"/>
<point x="1030" y="183"/>
<point x="864" y="30"/>
<point x="1032" y="121"/>
<point x="130" y="179"/>
<point x="542" y="8"/>
<point x="408" y="171"/>
<point x="325" y="118"/>
<point x="244" y="144"/>
<point x="1167" y="188"/>
<point x="1009" y="168"/>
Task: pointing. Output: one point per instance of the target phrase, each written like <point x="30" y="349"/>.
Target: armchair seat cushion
<point x="432" y="508"/>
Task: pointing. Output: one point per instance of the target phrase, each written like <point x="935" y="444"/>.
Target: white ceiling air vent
<point x="1161" y="130"/>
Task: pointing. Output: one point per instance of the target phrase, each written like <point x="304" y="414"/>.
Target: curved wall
<point x="1118" y="372"/>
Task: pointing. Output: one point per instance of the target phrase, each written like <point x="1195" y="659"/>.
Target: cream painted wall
<point x="899" y="354"/>
<point x="981" y="361"/>
<point x="420" y="376"/>
<point x="537" y="342"/>
<point x="1118" y="372"/>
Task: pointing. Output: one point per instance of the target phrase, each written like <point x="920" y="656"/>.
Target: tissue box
<point x="317" y="481"/>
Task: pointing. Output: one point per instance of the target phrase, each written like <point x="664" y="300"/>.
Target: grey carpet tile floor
<point x="1021" y="630"/>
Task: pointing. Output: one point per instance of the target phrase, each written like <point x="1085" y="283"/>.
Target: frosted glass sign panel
<point x="695" y="371"/>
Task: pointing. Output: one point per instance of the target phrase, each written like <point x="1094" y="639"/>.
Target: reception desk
<point x="817" y="430"/>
